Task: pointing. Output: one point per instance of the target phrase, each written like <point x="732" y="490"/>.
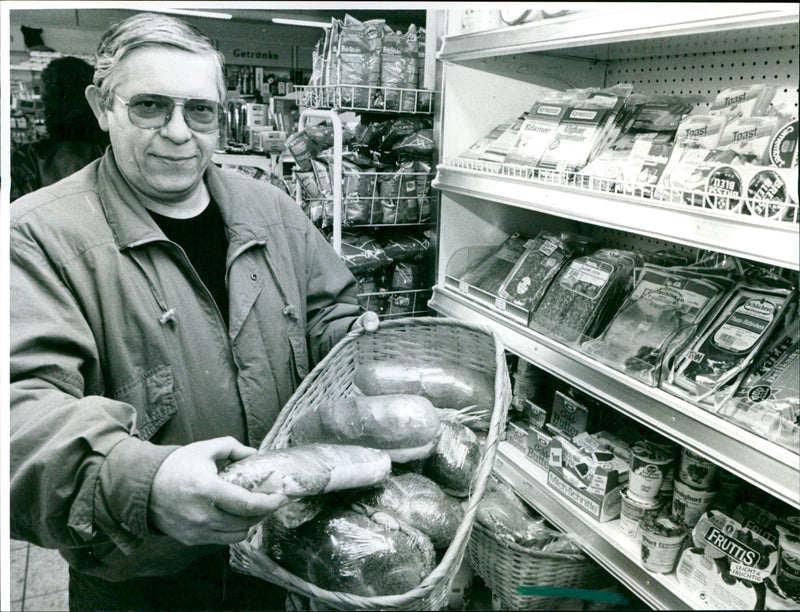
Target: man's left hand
<point x="368" y="321"/>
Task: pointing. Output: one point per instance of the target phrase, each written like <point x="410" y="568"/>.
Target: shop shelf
<point x="663" y="215"/>
<point x="608" y="33"/>
<point x="604" y="542"/>
<point x="765" y="464"/>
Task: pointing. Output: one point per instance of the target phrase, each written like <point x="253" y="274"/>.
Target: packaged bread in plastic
<point x="353" y="550"/>
<point x="420" y="502"/>
<point x="455" y="459"/>
<point x="662" y="312"/>
<point x="511" y="520"/>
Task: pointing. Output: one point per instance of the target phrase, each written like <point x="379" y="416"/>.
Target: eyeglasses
<point x="153" y="111"/>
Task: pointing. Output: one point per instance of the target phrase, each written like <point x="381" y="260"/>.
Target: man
<point x="162" y="312"/>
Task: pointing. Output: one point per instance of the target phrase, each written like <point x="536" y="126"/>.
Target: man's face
<point x="164" y="164"/>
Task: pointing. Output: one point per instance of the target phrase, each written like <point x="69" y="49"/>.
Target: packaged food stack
<point x="368" y="66"/>
<point x="736" y="152"/>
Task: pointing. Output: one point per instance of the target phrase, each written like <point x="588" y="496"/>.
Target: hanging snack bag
<point x="729" y="344"/>
<point x="398" y="201"/>
<point x="406" y="247"/>
<point x="357" y="185"/>
<point x="422" y="170"/>
<point x="662" y="312"/>
<point x="398" y="69"/>
<point x="359" y="58"/>
<point x="544" y="256"/>
<point x="363" y="254"/>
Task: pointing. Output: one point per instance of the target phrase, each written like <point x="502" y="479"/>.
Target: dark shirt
<point x="204" y="241"/>
<point x="38" y="164"/>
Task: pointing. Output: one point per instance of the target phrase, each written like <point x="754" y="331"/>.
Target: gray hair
<point x="150" y="30"/>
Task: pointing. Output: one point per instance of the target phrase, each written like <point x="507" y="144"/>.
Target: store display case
<point x="493" y="75"/>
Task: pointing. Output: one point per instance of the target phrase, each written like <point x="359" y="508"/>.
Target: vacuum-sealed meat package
<point x="583" y="294"/>
<point x="767" y="401"/>
<point x="663" y="311"/>
<point x="544" y="256"/>
<point x="727" y="346"/>
<point x="489" y="273"/>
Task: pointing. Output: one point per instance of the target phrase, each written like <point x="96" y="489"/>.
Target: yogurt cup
<point x="662" y="541"/>
<point x="776" y="599"/>
<point x="787" y="573"/>
<point x="634" y="510"/>
<point x="648" y="467"/>
<point x="688" y="503"/>
<point x="696" y="471"/>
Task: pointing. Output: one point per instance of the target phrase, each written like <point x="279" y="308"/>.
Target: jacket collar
<point x="132" y="225"/>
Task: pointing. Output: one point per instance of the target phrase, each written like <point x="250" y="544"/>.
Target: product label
<point x="732" y="547"/>
<point x="587" y="277"/>
<point x="765" y="192"/>
<point x="745" y="326"/>
<point x="724" y="189"/>
<point x="783" y="149"/>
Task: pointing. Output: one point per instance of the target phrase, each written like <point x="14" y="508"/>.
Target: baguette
<point x="309" y="470"/>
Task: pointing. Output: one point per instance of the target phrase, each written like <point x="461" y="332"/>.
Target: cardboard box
<point x="588" y="475"/>
<point x="539" y="447"/>
<point x="568" y="416"/>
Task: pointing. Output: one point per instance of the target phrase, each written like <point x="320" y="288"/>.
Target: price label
<point x="500" y="303"/>
<point x="463" y="287"/>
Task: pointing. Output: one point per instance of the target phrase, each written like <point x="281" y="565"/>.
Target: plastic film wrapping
<point x="421" y="503"/>
<point x="455" y="459"/>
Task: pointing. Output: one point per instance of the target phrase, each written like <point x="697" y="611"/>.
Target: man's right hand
<point x="191" y="503"/>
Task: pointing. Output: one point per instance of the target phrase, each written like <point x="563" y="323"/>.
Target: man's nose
<point x="176" y="128"/>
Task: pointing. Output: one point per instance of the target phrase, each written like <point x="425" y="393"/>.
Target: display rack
<point x="327" y="103"/>
<point x="667" y="48"/>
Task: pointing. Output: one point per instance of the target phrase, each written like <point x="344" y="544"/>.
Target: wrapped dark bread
<point x="309" y="470"/>
<point x="446" y="385"/>
<point x="404" y="426"/>
<point x="454" y="462"/>
<point x="351" y="550"/>
<point x="420" y="502"/>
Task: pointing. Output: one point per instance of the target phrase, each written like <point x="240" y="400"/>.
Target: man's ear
<point x="95" y="99"/>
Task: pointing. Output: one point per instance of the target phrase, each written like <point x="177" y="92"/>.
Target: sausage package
<point x="704" y="371"/>
<point x="662" y="312"/>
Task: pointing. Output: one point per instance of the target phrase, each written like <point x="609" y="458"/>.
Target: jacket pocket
<point x="152" y="394"/>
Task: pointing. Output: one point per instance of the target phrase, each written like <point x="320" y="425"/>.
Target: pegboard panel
<point x="617" y="239"/>
<point x="706" y="73"/>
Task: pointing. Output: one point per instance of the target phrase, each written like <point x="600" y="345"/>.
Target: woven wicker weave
<point x="417" y="341"/>
<point x="504" y="566"/>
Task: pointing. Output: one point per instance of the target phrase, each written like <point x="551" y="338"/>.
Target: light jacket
<point x="119" y="353"/>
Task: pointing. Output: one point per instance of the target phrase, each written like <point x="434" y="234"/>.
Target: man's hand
<point x="368" y="321"/>
<point x="191" y="503"/>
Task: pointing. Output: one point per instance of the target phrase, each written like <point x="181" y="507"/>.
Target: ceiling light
<point x="301" y="22"/>
<point x="189" y="13"/>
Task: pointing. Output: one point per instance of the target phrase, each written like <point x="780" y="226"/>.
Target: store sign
<point x="244" y="53"/>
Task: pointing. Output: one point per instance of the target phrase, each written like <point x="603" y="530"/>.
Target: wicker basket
<point x="504" y="566"/>
<point x="418" y="341"/>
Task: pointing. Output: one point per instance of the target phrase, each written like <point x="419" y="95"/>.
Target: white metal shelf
<point x="596" y="34"/>
<point x="604" y="542"/>
<point x="765" y="464"/>
<point x="763" y="240"/>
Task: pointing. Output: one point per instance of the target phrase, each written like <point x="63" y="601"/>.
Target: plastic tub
<point x="634" y="510"/>
<point x="696" y="471"/>
<point x="689" y="503"/>
<point x="648" y="467"/>
<point x="788" y="570"/>
<point x="662" y="541"/>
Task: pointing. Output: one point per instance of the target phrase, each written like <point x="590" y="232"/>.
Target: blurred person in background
<point x="73" y="137"/>
<point x="163" y="311"/>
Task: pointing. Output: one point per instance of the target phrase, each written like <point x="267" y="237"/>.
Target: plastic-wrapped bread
<point x="352" y="551"/>
<point x="403" y="425"/>
<point x="455" y="461"/>
<point x="309" y="470"/>
<point x="421" y="503"/>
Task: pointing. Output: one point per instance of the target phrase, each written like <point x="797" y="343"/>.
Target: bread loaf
<point x="309" y="470"/>
<point x="405" y="426"/>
